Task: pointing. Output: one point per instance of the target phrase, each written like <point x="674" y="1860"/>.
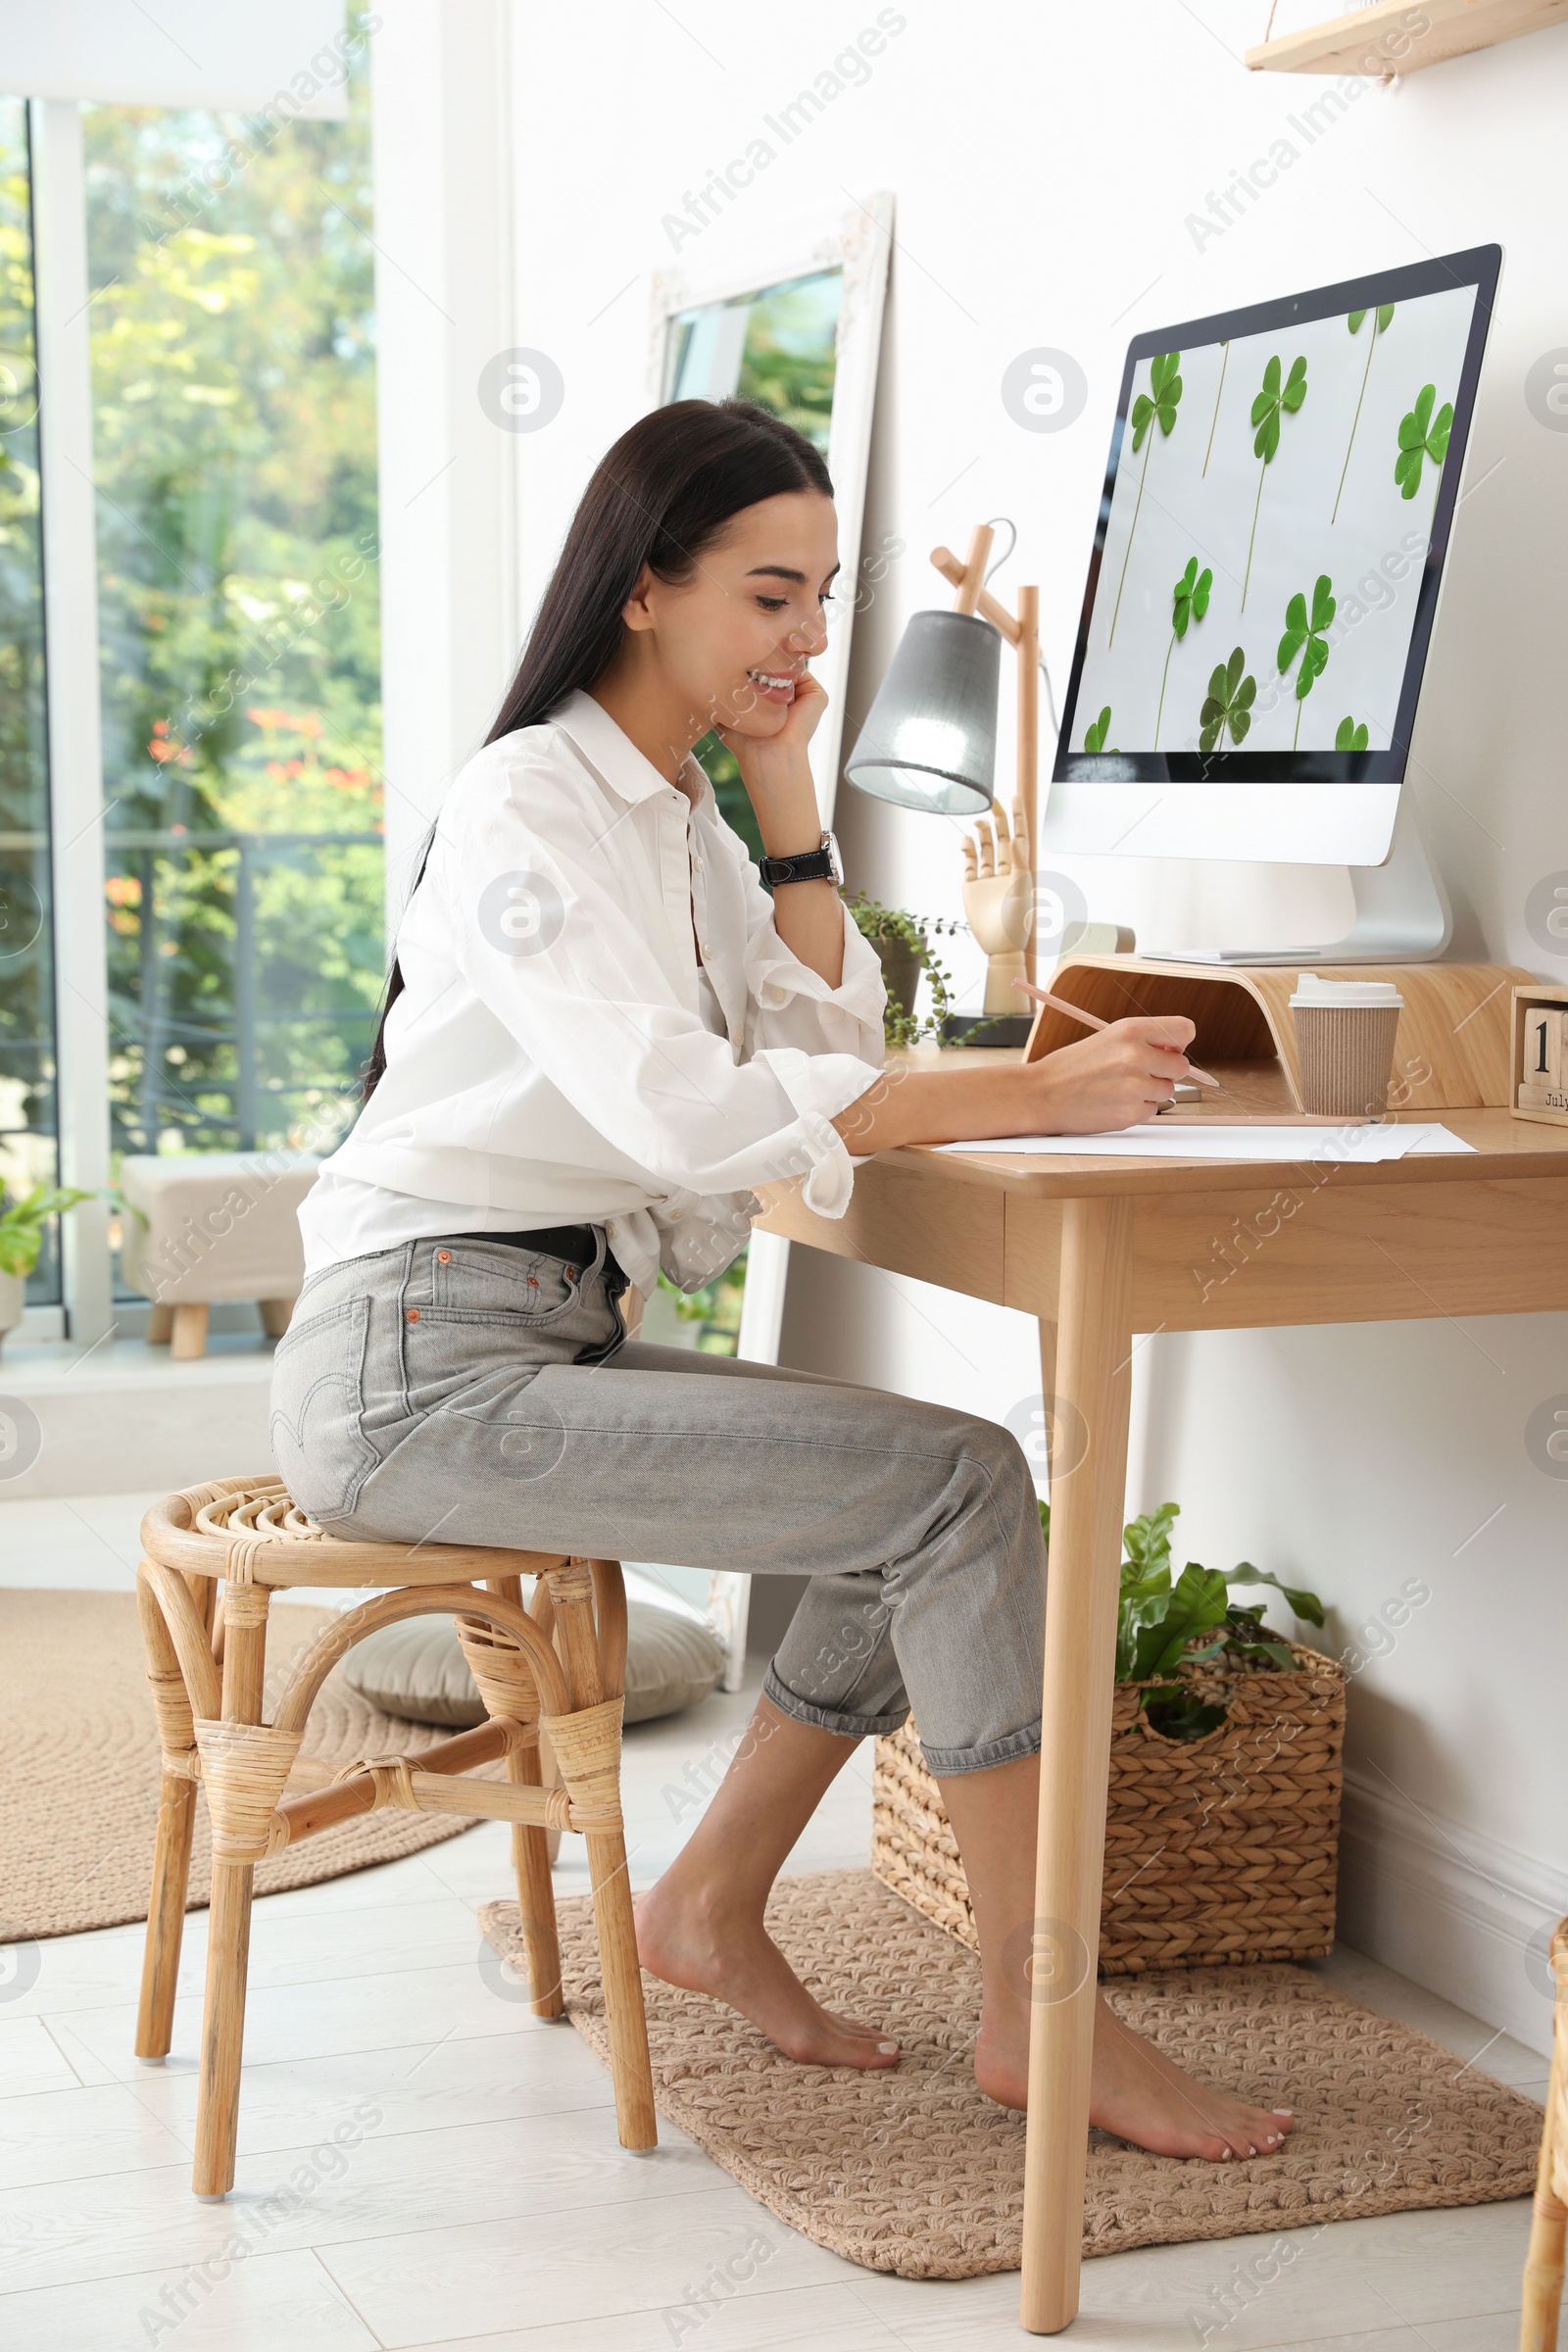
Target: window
<point x="234" y="456"/>
<point x="203" y="285"/>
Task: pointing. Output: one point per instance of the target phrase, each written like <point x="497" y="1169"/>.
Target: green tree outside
<point x="234" y="424"/>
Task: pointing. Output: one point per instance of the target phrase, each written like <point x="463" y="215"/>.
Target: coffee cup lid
<point x="1312" y="988"/>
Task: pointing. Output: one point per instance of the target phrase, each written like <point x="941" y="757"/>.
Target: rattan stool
<point x="558" y="1666"/>
<point x="1543" y="2265"/>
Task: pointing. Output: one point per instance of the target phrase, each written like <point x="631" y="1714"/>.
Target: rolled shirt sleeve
<point x="791" y="1005"/>
<point x="555" y="1057"/>
<point x="586" y="997"/>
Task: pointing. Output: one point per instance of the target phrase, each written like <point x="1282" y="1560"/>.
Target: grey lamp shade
<point x="930" y="741"/>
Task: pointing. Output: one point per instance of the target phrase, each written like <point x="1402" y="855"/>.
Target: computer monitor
<point x="1265" y="573"/>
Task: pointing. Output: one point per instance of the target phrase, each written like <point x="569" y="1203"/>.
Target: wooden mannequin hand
<point x="999" y="902"/>
<point x="996" y="884"/>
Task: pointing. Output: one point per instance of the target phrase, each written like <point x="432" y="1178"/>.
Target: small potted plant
<point x="1170" y="1628"/>
<point x="1223" y="1805"/>
<point x="21" y="1224"/>
<point x="903" y="943"/>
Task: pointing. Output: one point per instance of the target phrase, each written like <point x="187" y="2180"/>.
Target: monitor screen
<point x="1271" y="533"/>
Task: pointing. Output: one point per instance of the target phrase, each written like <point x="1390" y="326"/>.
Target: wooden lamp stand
<point x="1022" y="633"/>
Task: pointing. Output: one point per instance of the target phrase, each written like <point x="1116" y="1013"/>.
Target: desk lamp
<point x="930" y="738"/>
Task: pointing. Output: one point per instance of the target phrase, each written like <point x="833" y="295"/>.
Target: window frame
<point x="441" y="87"/>
<point x="61" y="303"/>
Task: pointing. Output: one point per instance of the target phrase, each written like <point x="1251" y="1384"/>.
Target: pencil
<point x="1091" y="1020"/>
<point x="1169" y="1111"/>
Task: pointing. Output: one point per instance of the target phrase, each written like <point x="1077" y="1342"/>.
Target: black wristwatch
<point x="820" y="865"/>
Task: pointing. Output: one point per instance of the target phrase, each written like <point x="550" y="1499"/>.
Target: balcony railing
<point x="200" y="1047"/>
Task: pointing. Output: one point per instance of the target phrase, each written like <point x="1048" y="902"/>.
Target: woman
<point x="601" y="1035"/>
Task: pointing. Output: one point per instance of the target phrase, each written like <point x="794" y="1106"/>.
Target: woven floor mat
<point x="79" y="1765"/>
<point x="915" y="2170"/>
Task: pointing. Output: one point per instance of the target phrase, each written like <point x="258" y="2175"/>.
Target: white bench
<point x="214" y="1225"/>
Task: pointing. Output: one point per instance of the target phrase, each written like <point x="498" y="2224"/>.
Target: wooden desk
<point x="1099" y="1250"/>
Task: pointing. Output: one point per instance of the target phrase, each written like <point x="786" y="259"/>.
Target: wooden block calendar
<point x="1540" y="1052"/>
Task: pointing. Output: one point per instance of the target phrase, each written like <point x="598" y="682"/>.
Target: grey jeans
<point x="480" y="1393"/>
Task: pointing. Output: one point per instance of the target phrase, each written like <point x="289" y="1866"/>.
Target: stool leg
<point x="630" y="2069"/>
<point x="571" y="1590"/>
<point x="274" y="1314"/>
<point x="531" y="1862"/>
<point x="177" y="1821"/>
<point x="189" y="1335"/>
<point x="166" y="1917"/>
<point x="1549" y="2230"/>
<point x="228" y="1948"/>
<point x="159" y="1324"/>
<point x="536" y="1895"/>
<point x="229" y="1924"/>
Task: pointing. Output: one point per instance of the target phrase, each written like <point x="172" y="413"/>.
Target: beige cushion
<point x="216" y="1224"/>
<point x="417" y="1670"/>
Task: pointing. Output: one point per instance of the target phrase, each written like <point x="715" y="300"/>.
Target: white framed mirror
<point x="787" y="314"/>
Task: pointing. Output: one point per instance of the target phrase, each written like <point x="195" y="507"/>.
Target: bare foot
<point x="1140" y="2094"/>
<point x="696" y="1940"/>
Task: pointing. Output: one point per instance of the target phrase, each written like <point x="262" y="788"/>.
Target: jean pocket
<point x="318" y="1443"/>
<point x="495" y="1283"/>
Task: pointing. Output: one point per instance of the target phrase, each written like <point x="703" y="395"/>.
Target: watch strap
<point x="806" y="865"/>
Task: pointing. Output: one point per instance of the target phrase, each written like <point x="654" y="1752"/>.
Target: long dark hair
<point x="661" y="495"/>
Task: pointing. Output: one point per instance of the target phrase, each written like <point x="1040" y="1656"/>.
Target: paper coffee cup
<point x="1345" y="1032"/>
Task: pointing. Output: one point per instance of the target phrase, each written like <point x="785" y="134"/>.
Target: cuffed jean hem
<point x="830" y="1719"/>
<point x="948" y="1762"/>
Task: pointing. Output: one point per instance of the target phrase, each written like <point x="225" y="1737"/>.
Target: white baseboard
<point x="1465" y="1915"/>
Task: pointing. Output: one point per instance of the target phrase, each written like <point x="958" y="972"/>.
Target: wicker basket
<point x="1219" y="1850"/>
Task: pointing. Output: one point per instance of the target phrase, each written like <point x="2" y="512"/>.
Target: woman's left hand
<point x="776" y="761"/>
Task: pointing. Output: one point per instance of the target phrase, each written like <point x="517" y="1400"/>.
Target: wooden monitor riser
<point x="1452" y="1051"/>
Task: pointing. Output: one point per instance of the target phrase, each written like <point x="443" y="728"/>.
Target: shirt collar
<point x="611" y="753"/>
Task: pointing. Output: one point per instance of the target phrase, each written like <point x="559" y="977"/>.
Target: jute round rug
<point x="78" y="1762"/>
<point x="915" y="2171"/>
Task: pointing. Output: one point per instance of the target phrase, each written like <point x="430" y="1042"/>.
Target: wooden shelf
<point x="1384" y="39"/>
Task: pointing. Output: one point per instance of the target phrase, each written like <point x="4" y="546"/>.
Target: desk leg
<point x="1093" y="1376"/>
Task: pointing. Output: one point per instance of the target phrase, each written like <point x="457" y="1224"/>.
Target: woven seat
<point x="215" y="1555"/>
<point x="1544" y="2266"/>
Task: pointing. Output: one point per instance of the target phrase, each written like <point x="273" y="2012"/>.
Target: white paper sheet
<point x="1191" y="1139"/>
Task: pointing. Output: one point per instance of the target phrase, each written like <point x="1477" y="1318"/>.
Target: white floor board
<point x="265" y="2303"/>
<point x="802" y="2319"/>
<point x="82" y="2134"/>
<point x="528" y="2069"/>
<point x="32" y="2060"/>
<point x="399" y="2187"/>
<point x="594" y="2264"/>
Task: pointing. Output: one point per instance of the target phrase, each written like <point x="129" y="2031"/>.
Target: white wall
<point x="441" y="144"/>
<point x="1045" y="161"/>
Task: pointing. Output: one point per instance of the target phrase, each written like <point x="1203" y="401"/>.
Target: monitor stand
<point x="1403" y="914"/>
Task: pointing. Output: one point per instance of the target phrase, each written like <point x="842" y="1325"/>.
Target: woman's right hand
<point x="1100" y="1084"/>
<point x="1109" y="1080"/>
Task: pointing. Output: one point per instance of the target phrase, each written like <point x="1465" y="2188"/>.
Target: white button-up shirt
<point x="559" y="1056"/>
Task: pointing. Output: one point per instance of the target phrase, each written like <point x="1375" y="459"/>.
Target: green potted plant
<point x="1169" y="1626"/>
<point x="21" y="1224"/>
<point x="716" y="1308"/>
<point x="903" y="943"/>
<point x="1223" y="1800"/>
